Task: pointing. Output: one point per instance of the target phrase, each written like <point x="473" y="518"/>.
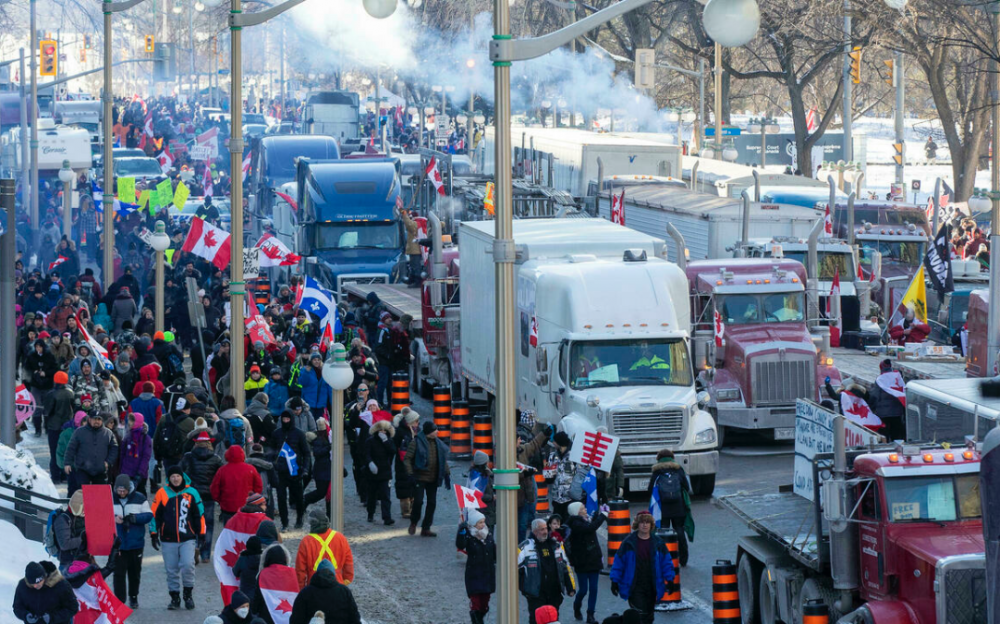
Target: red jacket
<point x="149" y="372"/>
<point x="918" y="333"/>
<point x="234" y="481"/>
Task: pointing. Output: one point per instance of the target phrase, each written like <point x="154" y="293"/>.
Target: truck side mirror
<point x="703" y="399"/>
<point x="542" y="359"/>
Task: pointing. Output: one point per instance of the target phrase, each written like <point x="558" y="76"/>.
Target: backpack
<point x="669" y="485"/>
<point x="236" y="432"/>
<point x="169" y="440"/>
<point x="51" y="547"/>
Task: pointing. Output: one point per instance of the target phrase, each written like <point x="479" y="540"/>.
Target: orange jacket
<point x="312" y="551"/>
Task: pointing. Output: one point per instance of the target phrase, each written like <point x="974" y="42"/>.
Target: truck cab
<point x="768" y="357"/>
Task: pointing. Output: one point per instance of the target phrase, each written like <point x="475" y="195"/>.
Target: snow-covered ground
<point x="17" y="552"/>
<point x="18" y="467"/>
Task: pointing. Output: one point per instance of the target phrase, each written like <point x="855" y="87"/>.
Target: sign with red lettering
<point x="594" y="448"/>
<point x="258" y="329"/>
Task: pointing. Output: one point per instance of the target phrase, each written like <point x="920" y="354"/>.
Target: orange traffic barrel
<point x="482" y="434"/>
<point x="673" y="593"/>
<point x="399" y="392"/>
<point x="461" y="430"/>
<point x="442" y="412"/>
<point x="542" y="497"/>
<point x="725" y="593"/>
<point x="815" y="612"/>
<point x="262" y="290"/>
<point x="619" y="526"/>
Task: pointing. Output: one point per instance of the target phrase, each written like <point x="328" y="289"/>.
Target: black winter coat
<point x="670" y="509"/>
<point x="200" y="465"/>
<point x="324" y="593"/>
<point x="35" y="365"/>
<point x="481" y="566"/>
<point x="229" y="616"/>
<point x="406" y="485"/>
<point x="884" y="404"/>
<point x="300" y="446"/>
<point x="380" y="453"/>
<point x="59" y="407"/>
<point x="68" y="530"/>
<point x="55" y="598"/>
<point x="584" y="549"/>
<point x="321" y="456"/>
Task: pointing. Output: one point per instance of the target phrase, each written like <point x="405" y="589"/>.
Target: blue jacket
<point x="148" y="405"/>
<point x="623" y="568"/>
<point x="132" y="530"/>
<point x="277" y="394"/>
<point x="315" y="391"/>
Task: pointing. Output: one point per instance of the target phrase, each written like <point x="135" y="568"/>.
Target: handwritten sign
<point x="905" y="511"/>
<point x="181" y="195"/>
<point x="259" y="330"/>
<point x="251" y="263"/>
<point x="146" y="236"/>
<point x="814" y="435"/>
<point x="594" y="448"/>
<point x="164" y="193"/>
<point x="24" y="404"/>
<point x="201" y="152"/>
<point x="126" y="189"/>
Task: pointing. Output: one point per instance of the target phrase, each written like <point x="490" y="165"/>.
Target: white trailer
<point x="576" y="153"/>
<point x="726" y="179"/>
<point x="596" y="305"/>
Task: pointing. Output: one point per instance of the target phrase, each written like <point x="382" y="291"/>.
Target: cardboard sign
<point x="99" y="519"/>
<point x="905" y="511"/>
<point x="24" y="404"/>
<point x="144" y="199"/>
<point x="258" y="330"/>
<point x="814" y="435"/>
<point x="251" y="263"/>
<point x="146" y="236"/>
<point x="201" y="152"/>
<point x="594" y="448"/>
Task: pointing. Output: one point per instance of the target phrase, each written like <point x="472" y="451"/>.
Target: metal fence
<point x="27" y="510"/>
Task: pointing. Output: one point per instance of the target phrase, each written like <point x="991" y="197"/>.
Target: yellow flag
<point x="914" y="299"/>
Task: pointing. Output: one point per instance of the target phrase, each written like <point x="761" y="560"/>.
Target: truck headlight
<point x="705" y="436"/>
<point x="728" y="394"/>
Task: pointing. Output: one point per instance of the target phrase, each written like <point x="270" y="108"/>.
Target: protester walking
<point x="426" y="461"/>
<point x="178" y="524"/>
<point x="132" y="514"/>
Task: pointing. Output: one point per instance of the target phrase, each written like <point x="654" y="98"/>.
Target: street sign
<point x="223" y="72"/>
<point x="898" y="156"/>
<point x="915" y="185"/>
<point x="726" y="131"/>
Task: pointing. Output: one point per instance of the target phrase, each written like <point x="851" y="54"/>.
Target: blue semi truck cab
<point x="349" y="230"/>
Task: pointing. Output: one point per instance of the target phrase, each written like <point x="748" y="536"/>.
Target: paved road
<point x="420" y="580"/>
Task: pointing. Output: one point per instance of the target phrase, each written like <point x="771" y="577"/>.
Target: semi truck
<point x="603" y="337"/>
<point x="892" y="535"/>
<point x="333" y="113"/>
<point x="949" y="410"/>
<point x="272" y="164"/>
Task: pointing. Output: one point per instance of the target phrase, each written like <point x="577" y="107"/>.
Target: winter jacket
<point x="91" y="385"/>
<point x="427" y="463"/>
<point x="315" y="391"/>
<point x="277" y="393"/>
<point x="305" y="421"/>
<point x="229" y="616"/>
<point x="149" y="372"/>
<point x="58" y="408"/>
<point x="68" y="530"/>
<point x="64" y="437"/>
<point x="380" y="452"/>
<point x="178" y="514"/>
<point x="481" y="565"/>
<point x="565" y="472"/>
<point x="297" y="441"/>
<point x="251" y="387"/>
<point x="136" y="451"/>
<point x="40" y="369"/>
<point x="584" y="548"/>
<point x="102" y="318"/>
<point x="92" y="451"/>
<point x="63" y="353"/>
<point x="247" y="568"/>
<point x="406" y="485"/>
<point x="320" y="446"/>
<point x="529" y="570"/>
<point x="482" y="480"/>
<point x="918" y="332"/>
<point x="59" y="315"/>
<point x="264" y="470"/>
<point x="136" y="514"/>
<point x="122" y="310"/>
<point x="528" y="490"/>
<point x="259" y="416"/>
<point x="113" y="396"/>
<point x="234" y="481"/>
<point x="75" y="367"/>
<point x="326" y="594"/>
<point x="668" y="508"/>
<point x="151" y="409"/>
<point x="201" y="465"/>
<point x="623" y="567"/>
<point x="55" y="599"/>
<point x="884" y="404"/>
<point x="311" y="551"/>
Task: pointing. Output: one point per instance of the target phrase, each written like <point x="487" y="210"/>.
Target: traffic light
<point x="890" y="80"/>
<point x="856" y="65"/>
<point x="149" y="43"/>
<point x="83" y="55"/>
<point x="48" y="57"/>
<point x="86" y="42"/>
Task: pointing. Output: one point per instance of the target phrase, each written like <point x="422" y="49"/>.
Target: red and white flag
<point x="259" y="330"/>
<point x="469" y="498"/>
<point x="148" y="125"/>
<point x="98" y="604"/>
<point x="828" y="222"/>
<point x="892" y="383"/>
<point x="399" y="115"/>
<point x="209" y="242"/>
<point x="246" y="166"/>
<point x="434" y="175"/>
<point x="166" y="160"/>
<point x="861" y="274"/>
<point x="856" y="410"/>
<point x="274" y="253"/>
<point x="232" y="541"/>
<point x="278" y="587"/>
<point x="206" y="183"/>
<point x="720" y="329"/>
<point x="57" y="262"/>
<point x="533" y="331"/>
<point x="835" y="322"/>
<point x="811" y="120"/>
<point x="618" y="208"/>
<point x="24" y="404"/>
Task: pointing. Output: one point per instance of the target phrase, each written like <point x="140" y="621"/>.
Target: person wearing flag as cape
<point x="670" y="499"/>
<point x="294" y="460"/>
<point x="887" y="398"/>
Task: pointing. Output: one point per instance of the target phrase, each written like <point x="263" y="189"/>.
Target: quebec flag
<point x="590" y="492"/>
<point x="654" y="506"/>
<point x="290" y="457"/>
<point x="313" y="298"/>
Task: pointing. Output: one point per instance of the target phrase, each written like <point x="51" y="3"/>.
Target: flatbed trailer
<point x="863" y="368"/>
<point x="398" y="299"/>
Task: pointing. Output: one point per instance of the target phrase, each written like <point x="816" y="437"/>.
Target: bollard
<point x="461" y="430"/>
<point x="815" y="612"/>
<point x="399" y="392"/>
<point x="725" y="593"/>
<point x="482" y="435"/>
<point x="542" y="498"/>
<point x="262" y="291"/>
<point x="619" y="526"/>
<point x="672" y="600"/>
<point x="442" y="413"/>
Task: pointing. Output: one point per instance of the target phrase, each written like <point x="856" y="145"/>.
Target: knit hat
<point x="327" y="566"/>
<point x="148" y="386"/>
<point x="158" y="336"/>
<point x="429" y="427"/>
<point x="34" y="573"/>
<point x="76" y="503"/>
<point x="198" y="409"/>
<point x="561" y="438"/>
<point x="256" y="448"/>
<point x="546" y="614"/>
<point x="480" y="459"/>
<point x="255" y="369"/>
<point x="255" y="498"/>
<point x="574" y="508"/>
<point x="61" y="378"/>
<point x="174" y="470"/>
<point x="203" y="437"/>
<point x="318" y="521"/>
<point x="123" y="481"/>
<point x="411" y="417"/>
<point x="43" y="335"/>
<point x="322" y="424"/>
<point x="475" y="517"/>
<point x="200" y="423"/>
<point x="239" y="599"/>
<point x="885" y="366"/>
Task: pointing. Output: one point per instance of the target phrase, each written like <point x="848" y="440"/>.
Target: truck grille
<point x="960" y="585"/>
<point x="776" y="382"/>
<point x="362" y="278"/>
<point x="648" y="429"/>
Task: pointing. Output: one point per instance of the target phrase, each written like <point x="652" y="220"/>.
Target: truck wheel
<point x="818" y="589"/>
<point x="703" y="485"/>
<point x="748" y="584"/>
<point x="720" y="434"/>
<point x="767" y="603"/>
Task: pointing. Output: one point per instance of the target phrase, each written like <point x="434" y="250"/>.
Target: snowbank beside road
<point x="18" y="467"/>
<point x="17" y="551"/>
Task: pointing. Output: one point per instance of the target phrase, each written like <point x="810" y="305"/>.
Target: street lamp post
<point x="66" y="177"/>
<point x="159" y="242"/>
<point x="338" y="374"/>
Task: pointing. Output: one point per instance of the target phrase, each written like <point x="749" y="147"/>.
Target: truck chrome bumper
<point x="756" y="417"/>
<point x="694" y="463"/>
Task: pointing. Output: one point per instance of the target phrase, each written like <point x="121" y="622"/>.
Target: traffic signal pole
<point x="848" y="142"/>
<point x="33" y="112"/>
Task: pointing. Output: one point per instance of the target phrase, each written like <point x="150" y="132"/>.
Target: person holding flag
<point x="475" y="540"/>
<point x="481" y="478"/>
<point x="585" y="554"/>
<point x="888" y="398"/>
<point x="669" y="499"/>
<point x="43" y="596"/>
<point x="294" y="460"/>
<point x="909" y="321"/>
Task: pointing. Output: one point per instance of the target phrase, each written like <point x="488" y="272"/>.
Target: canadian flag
<point x="828" y="222"/>
<point x="533" y="331"/>
<point x="209" y="242"/>
<point x="434" y="174"/>
<point x="232" y="541"/>
<point x="892" y="383"/>
<point x="469" y="498"/>
<point x="57" y="262"/>
<point x="206" y="182"/>
<point x="274" y="253"/>
<point x="811" y="120"/>
<point x="24" y="404"/>
<point x="861" y="274"/>
<point x="278" y="587"/>
<point x="720" y="329"/>
<point x="166" y="160"/>
<point x="834" y="322"/>
<point x="856" y="410"/>
<point x="246" y="167"/>
<point x="98" y="604"/>
<point x="618" y="208"/>
<point x="148" y="126"/>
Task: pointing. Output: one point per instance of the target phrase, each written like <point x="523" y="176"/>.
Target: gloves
<point x="447" y="481"/>
<point x="155" y="540"/>
<point x="614" y="588"/>
<point x="383" y="436"/>
<point x="373" y="468"/>
<point x="827" y="380"/>
<point x="46" y="617"/>
<point x="30" y="618"/>
<point x="130" y="518"/>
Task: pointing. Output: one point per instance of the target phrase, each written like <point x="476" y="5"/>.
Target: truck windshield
<point x="364" y="235"/>
<point x="907" y="253"/>
<point x="829" y="263"/>
<point x="941" y="498"/>
<point x="766" y="308"/>
<point x="629" y="363"/>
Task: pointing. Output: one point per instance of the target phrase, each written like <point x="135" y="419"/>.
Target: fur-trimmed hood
<point x="664" y="465"/>
<point x="382" y="425"/>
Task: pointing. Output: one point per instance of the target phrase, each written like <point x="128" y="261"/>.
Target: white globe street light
<point x="338" y="374"/>
<point x="159" y="242"/>
<point x="461" y="119"/>
<point x="479" y="118"/>
<point x="379" y="9"/>
<point x="729" y="153"/>
<point x="731" y="23"/>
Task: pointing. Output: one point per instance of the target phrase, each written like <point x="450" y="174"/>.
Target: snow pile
<point x="18" y="551"/>
<point x="18" y="467"/>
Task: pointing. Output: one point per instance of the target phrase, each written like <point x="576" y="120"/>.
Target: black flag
<point x="938" y="261"/>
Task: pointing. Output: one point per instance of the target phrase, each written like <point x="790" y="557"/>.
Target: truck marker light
<point x="718" y="282"/>
<point x="664" y="324"/>
<point x="758" y="281"/>
<point x="749" y="281"/>
<point x="893" y="458"/>
<point x="609" y="325"/>
<point x="967" y="454"/>
<point x="588" y="327"/>
<point x="883" y="231"/>
<point x="627" y="325"/>
<point x="642" y="324"/>
<point x="829" y="361"/>
<point x="928" y="458"/>
<point x="767" y="281"/>
<point x="949" y="457"/>
<point x="795" y="280"/>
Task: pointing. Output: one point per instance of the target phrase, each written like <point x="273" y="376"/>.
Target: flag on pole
<point x="914" y="299"/>
<point x="274" y="253"/>
<point x="468" y="498"/>
<point x="279" y="586"/>
<point x="720" y="328"/>
<point x="208" y="242"/>
<point x="317" y="300"/>
<point x="232" y="541"/>
<point x="166" y="160"/>
<point x="433" y="173"/>
<point x="148" y="125"/>
<point x="937" y="261"/>
<point x="654" y="505"/>
<point x="590" y="491"/>
<point x="98" y="604"/>
<point x="99" y="351"/>
<point x="206" y="183"/>
<point x="834" y="322"/>
<point x="618" y="208"/>
<point x="828" y="222"/>
<point x="246" y="166"/>
<point x="57" y="262"/>
<point x="812" y="121"/>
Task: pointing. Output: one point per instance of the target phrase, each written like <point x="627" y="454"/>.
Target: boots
<point x="427" y="533"/>
<point x="412" y="529"/>
<point x="577" y="614"/>
<point x="477" y="617"/>
<point x="175" y="601"/>
<point x="188" y="599"/>
<point x="590" y="618"/>
<point x="405" y="504"/>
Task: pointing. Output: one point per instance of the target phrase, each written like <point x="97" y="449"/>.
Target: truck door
<point x="874" y="580"/>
